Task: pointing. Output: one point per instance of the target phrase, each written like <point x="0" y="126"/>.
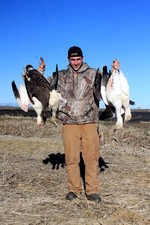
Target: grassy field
<point x="33" y="176"/>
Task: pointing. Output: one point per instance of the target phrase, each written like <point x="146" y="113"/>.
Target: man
<point x="76" y="84"/>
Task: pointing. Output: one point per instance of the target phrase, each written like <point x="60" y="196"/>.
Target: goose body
<point x="39" y="93"/>
<point x="116" y="95"/>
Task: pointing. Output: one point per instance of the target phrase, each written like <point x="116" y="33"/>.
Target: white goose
<point x="115" y="92"/>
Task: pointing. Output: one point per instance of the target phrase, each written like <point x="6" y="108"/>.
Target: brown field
<point x="33" y="176"/>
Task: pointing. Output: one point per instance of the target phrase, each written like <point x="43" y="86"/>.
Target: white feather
<point x="23" y="101"/>
<point x="124" y="84"/>
<point x="116" y="93"/>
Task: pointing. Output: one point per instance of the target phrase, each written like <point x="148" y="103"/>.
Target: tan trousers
<point x="82" y="138"/>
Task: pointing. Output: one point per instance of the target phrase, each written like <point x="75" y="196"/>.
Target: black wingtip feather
<point x="15" y="90"/>
<point x="131" y="102"/>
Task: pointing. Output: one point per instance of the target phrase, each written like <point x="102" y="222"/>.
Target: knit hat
<point x="74" y="51"/>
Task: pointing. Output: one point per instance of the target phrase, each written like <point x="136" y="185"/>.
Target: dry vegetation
<point x="33" y="192"/>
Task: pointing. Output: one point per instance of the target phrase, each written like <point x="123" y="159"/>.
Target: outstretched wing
<point x="21" y="96"/>
<point x="15" y="89"/>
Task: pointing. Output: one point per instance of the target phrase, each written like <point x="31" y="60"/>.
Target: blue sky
<point x="104" y="29"/>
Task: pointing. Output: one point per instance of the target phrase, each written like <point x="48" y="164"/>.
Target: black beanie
<point x="74" y="51"/>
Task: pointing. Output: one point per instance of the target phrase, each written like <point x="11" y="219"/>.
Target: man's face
<point x="76" y="62"/>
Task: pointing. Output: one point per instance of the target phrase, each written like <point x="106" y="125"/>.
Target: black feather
<point x="54" y="81"/>
<point x="131" y="102"/>
<point x="97" y="85"/>
<point x="15" y="90"/>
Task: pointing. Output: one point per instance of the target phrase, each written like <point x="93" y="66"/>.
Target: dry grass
<point x="33" y="193"/>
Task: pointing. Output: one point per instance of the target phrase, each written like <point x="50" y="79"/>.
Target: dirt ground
<point x="33" y="176"/>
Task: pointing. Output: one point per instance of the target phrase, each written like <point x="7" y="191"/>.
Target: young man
<point x="76" y="84"/>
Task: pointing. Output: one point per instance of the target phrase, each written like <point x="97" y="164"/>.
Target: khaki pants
<point x="82" y="138"/>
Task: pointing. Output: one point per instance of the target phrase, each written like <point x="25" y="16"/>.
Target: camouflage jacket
<point x="78" y="89"/>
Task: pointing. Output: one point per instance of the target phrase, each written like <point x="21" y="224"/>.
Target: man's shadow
<point x="58" y="160"/>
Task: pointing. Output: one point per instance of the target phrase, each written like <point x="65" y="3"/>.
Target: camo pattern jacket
<point x="78" y="89"/>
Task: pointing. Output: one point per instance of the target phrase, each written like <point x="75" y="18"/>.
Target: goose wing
<point x="124" y="84"/>
<point x="104" y="82"/>
<point x="97" y="85"/>
<point x="21" y="96"/>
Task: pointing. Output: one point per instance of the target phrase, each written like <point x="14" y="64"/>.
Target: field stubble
<point x="33" y="192"/>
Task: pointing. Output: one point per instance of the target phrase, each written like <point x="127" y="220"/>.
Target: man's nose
<point x="76" y="62"/>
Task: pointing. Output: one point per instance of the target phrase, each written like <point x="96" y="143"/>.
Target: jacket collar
<point x="83" y="68"/>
